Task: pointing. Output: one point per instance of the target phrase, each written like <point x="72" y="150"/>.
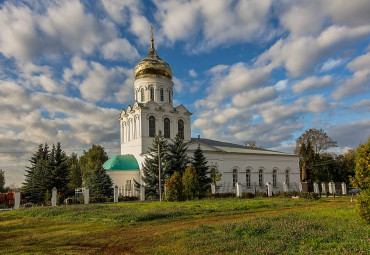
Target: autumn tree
<point x="174" y="188"/>
<point x="190" y="180"/>
<point x="318" y="138"/>
<point x="215" y="173"/>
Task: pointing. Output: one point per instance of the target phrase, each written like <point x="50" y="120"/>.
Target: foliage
<point x="284" y="194"/>
<point x="190" y="181"/>
<point x="345" y="167"/>
<point x="59" y="168"/>
<point x="100" y="184"/>
<point x="199" y="162"/>
<point x="221" y="195"/>
<point x="150" y="167"/>
<point x="176" y="156"/>
<point x="309" y="195"/>
<point x="174" y="188"/>
<point x="91" y="160"/>
<point x="2" y="180"/>
<point x="75" y="172"/>
<point x="362" y="179"/>
<point x="251" y="143"/>
<point x="320" y="141"/>
<point x="214" y="173"/>
<point x="247" y="195"/>
<point x="261" y="194"/>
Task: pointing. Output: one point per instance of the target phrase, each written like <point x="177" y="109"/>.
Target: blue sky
<point x="249" y="70"/>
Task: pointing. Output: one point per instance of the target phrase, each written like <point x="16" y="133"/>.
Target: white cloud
<point x="330" y="64"/>
<point x="252" y="97"/>
<point x="362" y="106"/>
<point x="193" y="73"/>
<point x="281" y="85"/>
<point x="312" y="83"/>
<point x="120" y="49"/>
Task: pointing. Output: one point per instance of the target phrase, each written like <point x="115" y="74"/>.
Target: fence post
<point x="115" y="194"/>
<point x="239" y="191"/>
<point x="316" y="188"/>
<point x="269" y="189"/>
<point x="142" y="193"/>
<point x="300" y="186"/>
<point x="213" y="188"/>
<point x="86" y="195"/>
<point x="54" y="196"/>
<point x="285" y="187"/>
<point x="323" y="188"/>
<point x="344" y="188"/>
<point x="17" y="199"/>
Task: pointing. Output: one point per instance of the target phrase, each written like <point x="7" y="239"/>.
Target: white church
<point x="153" y="110"/>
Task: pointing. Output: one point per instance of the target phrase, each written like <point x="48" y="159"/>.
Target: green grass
<point x="210" y="226"/>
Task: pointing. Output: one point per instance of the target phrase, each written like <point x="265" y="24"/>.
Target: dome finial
<point x="152" y="39"/>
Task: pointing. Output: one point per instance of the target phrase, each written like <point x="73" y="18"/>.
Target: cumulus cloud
<point x="256" y="96"/>
<point x="193" y="73"/>
<point x="330" y="64"/>
<point x="120" y="49"/>
<point x="312" y="83"/>
<point x="362" y="106"/>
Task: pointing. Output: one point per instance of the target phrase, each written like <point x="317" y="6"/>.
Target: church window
<point x="162" y="95"/>
<point x="287" y="177"/>
<point x="274" y="176"/>
<point x="260" y="177"/>
<point x="169" y="97"/>
<point x="248" y="177"/>
<point x="180" y="128"/>
<point x="151" y="126"/>
<point x="235" y="176"/>
<point x="142" y="95"/>
<point x="167" y="127"/>
<point x="151" y="93"/>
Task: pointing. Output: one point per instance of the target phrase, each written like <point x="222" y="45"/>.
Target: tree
<point x="75" y="174"/>
<point x="59" y="169"/>
<point x="199" y="162"/>
<point x="345" y="166"/>
<point x="150" y="167"/>
<point x="191" y="183"/>
<point x="2" y="180"/>
<point x="214" y="173"/>
<point x="174" y="188"/>
<point x="320" y="141"/>
<point x="362" y="179"/>
<point x="100" y="183"/>
<point x="176" y="157"/>
<point x="91" y="160"/>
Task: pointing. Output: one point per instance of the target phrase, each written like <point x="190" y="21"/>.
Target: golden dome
<point x="152" y="65"/>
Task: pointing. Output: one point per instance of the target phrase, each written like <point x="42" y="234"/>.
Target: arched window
<point x="169" y="97"/>
<point x="180" y="128"/>
<point x="248" y="177"/>
<point x="142" y="95"/>
<point x="151" y="93"/>
<point x="128" y="132"/>
<point x="167" y="128"/>
<point x="274" y="176"/>
<point x="287" y="177"/>
<point x="151" y="126"/>
<point x="162" y="95"/>
<point x="260" y="177"/>
<point x="123" y="134"/>
<point x="235" y="176"/>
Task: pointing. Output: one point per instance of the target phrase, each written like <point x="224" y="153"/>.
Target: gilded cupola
<point x="152" y="65"/>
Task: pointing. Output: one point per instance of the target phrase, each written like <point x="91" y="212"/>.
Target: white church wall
<point x="120" y="178"/>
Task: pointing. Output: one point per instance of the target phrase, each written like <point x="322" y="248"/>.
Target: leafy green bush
<point x="309" y="195"/>
<point x="247" y="195"/>
<point x="174" y="188"/>
<point x="190" y="180"/>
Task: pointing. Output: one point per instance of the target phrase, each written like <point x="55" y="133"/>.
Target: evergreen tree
<point x="75" y="174"/>
<point x="150" y="167"/>
<point x="100" y="183"/>
<point x="174" y="188"/>
<point x="199" y="162"/>
<point x="90" y="160"/>
<point x="29" y="184"/>
<point x="59" y="169"/>
<point x="2" y="180"/>
<point x="191" y="183"/>
<point x="177" y="158"/>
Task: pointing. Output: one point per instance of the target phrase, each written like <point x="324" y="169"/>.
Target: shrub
<point x="127" y="198"/>
<point x="363" y="201"/>
<point x="174" y="188"/>
<point x="221" y="195"/>
<point x="100" y="199"/>
<point x="190" y="180"/>
<point x="247" y="195"/>
<point x="284" y="194"/>
<point x="309" y="195"/>
<point x="261" y="194"/>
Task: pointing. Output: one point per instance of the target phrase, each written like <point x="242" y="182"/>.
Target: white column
<point x="213" y="188"/>
<point x="323" y="188"/>
<point x="269" y="189"/>
<point x="54" y="197"/>
<point x="86" y="195"/>
<point x="17" y="199"/>
<point x="115" y="194"/>
<point x="331" y="188"/>
<point x="344" y="188"/>
<point x="316" y="188"/>
<point x="239" y="190"/>
<point x="300" y="186"/>
<point x="142" y="193"/>
<point x="285" y="187"/>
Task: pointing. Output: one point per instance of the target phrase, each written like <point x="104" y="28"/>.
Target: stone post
<point x="54" y="196"/>
<point x="300" y="186"/>
<point x="86" y="195"/>
<point x="269" y="189"/>
<point x="323" y="188"/>
<point x="239" y="191"/>
<point x="142" y="193"/>
<point x="316" y="188"/>
<point x="285" y="187"/>
<point x="331" y="188"/>
<point x="115" y="194"/>
<point x="344" y="188"/>
<point x="17" y="199"/>
<point x="213" y="188"/>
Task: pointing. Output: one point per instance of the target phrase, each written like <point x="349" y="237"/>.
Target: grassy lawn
<point x="210" y="226"/>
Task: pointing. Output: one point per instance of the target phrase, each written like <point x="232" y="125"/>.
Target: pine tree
<point x="59" y="169"/>
<point x="199" y="162"/>
<point x="100" y="183"/>
<point x="190" y="180"/>
<point x="174" y="188"/>
<point x="150" y="167"/>
<point x="75" y="175"/>
<point x="177" y="158"/>
<point x="29" y="183"/>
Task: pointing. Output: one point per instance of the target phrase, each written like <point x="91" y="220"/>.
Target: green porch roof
<point x="121" y="163"/>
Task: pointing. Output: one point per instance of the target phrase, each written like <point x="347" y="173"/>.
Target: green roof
<point x="121" y="163"/>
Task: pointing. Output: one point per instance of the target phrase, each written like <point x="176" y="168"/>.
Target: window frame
<point x="235" y="176"/>
<point x="166" y="128"/>
<point x="274" y="178"/>
<point x="248" y="177"/>
<point x="152" y="126"/>
<point x="260" y="177"/>
<point x="181" y="132"/>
